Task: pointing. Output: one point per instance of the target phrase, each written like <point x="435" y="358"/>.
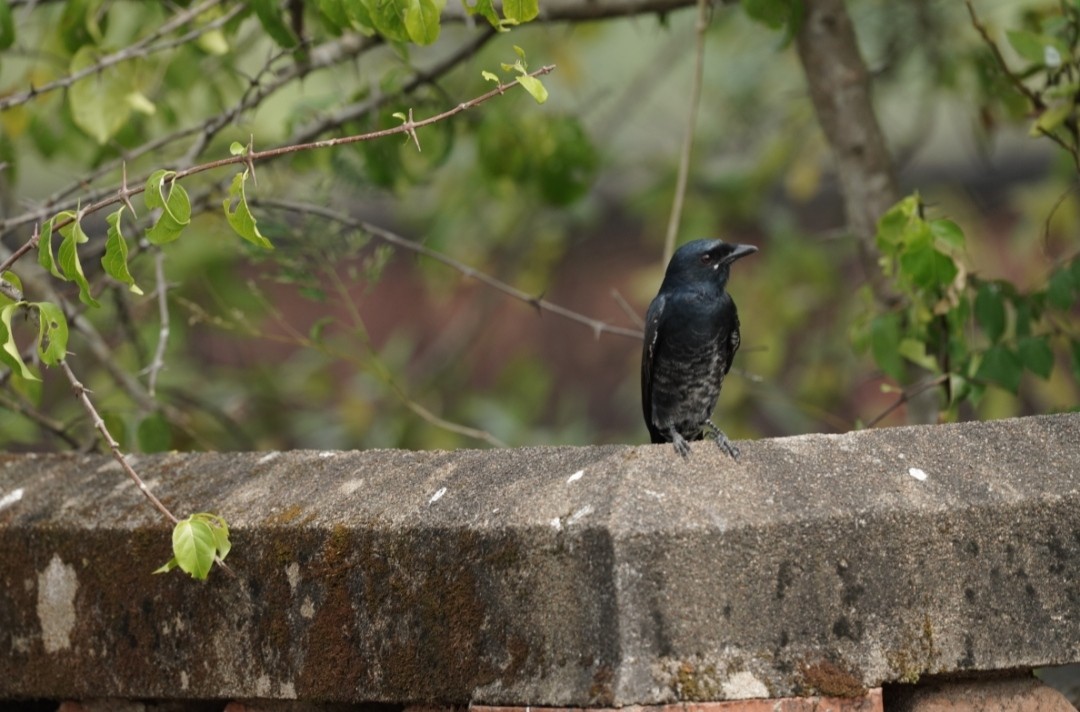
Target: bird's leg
<point x="681" y="446"/>
<point x="722" y="440"/>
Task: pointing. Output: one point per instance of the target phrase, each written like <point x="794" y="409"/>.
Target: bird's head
<point x="702" y="262"/>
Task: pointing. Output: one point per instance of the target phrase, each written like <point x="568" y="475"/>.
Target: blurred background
<point x="337" y="339"/>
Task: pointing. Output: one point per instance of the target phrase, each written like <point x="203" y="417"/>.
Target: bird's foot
<point x="681" y="446"/>
<point x="722" y="440"/>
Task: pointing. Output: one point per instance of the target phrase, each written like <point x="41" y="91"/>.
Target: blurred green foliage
<point x="334" y="340"/>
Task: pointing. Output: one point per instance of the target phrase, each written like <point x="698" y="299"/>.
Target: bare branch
<point x="908" y="395"/>
<point x="281" y="151"/>
<point x="141" y="49"/>
<point x="598" y="327"/>
<point x="163" y="315"/>
<point x="82" y="394"/>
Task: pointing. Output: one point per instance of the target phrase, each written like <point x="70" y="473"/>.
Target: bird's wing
<point x="648" y="355"/>
<point x="734" y="339"/>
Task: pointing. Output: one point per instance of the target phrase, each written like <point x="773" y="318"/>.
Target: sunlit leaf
<point x="486" y="9"/>
<point x="1050" y="119"/>
<point x="948" y="232"/>
<point x="52" y="333"/>
<point x="174" y="204"/>
<point x="535" y="87"/>
<point x="99" y="102"/>
<point x="115" y="259"/>
<point x="45" y="248"/>
<point x="240" y="217"/>
<point x="389" y="18"/>
<point x="9" y="350"/>
<point x="422" y="21"/>
<point x="68" y="258"/>
<point x="12" y="279"/>
<point x="194" y="546"/>
<point x="521" y="10"/>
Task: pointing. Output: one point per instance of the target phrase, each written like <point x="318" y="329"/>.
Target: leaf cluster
<point x="967" y="331"/>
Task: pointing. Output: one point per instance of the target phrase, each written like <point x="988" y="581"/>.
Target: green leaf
<point x="240" y="218"/>
<point x="948" y="232"/>
<point x="486" y="9"/>
<point x="926" y="266"/>
<point x="12" y="279"/>
<point x="1028" y="45"/>
<point x="114" y="261"/>
<point x="518" y="11"/>
<point x="1060" y="289"/>
<point x="167" y="566"/>
<point x="1074" y="348"/>
<point x="52" y="333"/>
<point x="535" y="87"/>
<point x="422" y="21"/>
<point x="490" y="77"/>
<point x="154" y="434"/>
<point x="273" y="21"/>
<point x="885" y="344"/>
<point x="174" y="204"/>
<point x="194" y="546"/>
<point x="1036" y="355"/>
<point x="99" y="102"/>
<point x="990" y="311"/>
<point x="9" y="350"/>
<point x="45" y="249"/>
<point x="915" y="351"/>
<point x="68" y="258"/>
<point x="389" y="18"/>
<point x="237" y="149"/>
<point x="1001" y="366"/>
<point x="7" y="25"/>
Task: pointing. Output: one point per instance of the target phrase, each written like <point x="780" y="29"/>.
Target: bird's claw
<point x="681" y="446"/>
<point x="722" y="441"/>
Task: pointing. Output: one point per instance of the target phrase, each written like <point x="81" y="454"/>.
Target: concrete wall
<point x="595" y="576"/>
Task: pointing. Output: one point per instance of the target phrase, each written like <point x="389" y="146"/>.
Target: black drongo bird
<point x="691" y="336"/>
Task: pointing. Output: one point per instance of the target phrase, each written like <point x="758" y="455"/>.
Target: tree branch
<point x="598" y="327"/>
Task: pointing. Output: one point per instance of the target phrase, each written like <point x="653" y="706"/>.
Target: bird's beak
<point x="740" y="251"/>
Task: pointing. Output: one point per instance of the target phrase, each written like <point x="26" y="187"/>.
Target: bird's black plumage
<point x="691" y="336"/>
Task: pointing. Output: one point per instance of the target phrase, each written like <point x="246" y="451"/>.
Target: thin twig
<point x="53" y="426"/>
<point x="907" y="395"/>
<point x="163" y="315"/>
<point x="281" y="151"/>
<point x="139" y="50"/>
<point x="688" y="138"/>
<point x="627" y="309"/>
<point x="1035" y="99"/>
<point x="598" y="327"/>
<point x="81" y="393"/>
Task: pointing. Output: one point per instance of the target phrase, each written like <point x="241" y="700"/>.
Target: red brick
<point x="871" y="702"/>
<point x="1013" y="695"/>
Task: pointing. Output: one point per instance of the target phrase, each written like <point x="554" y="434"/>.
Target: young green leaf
<point x="422" y="21"/>
<point x="1028" y="45"/>
<point x="194" y="546"/>
<point x="948" y="232"/>
<point x="518" y="11"/>
<point x="45" y="249"/>
<point x="12" y="279"/>
<point x="240" y="217"/>
<point x="488" y="76"/>
<point x="175" y="207"/>
<point x="885" y="344"/>
<point x="535" y="87"/>
<point x="98" y="102"/>
<point x="389" y="18"/>
<point x="486" y="9"/>
<point x="68" y="258"/>
<point x="237" y="149"/>
<point x="9" y="350"/>
<point x="52" y="333"/>
<point x="114" y="261"/>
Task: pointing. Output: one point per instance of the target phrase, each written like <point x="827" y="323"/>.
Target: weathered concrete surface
<point x="598" y="576"/>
